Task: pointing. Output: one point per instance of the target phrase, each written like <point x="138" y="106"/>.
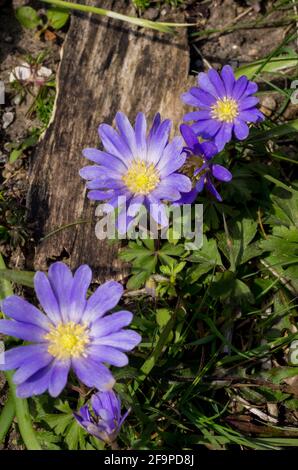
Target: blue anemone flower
<point x="105" y="420"/>
<point x="74" y="333"/>
<point x="140" y="167"/>
<point x="200" y="167"/>
<point x="225" y="105"/>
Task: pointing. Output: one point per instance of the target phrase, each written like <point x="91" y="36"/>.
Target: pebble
<point x="268" y="105"/>
<point x="165" y="10"/>
<point x="151" y="14"/>
<point x="17" y="99"/>
<point x="7" y="119"/>
<point x="3" y="157"/>
<point x="8" y="39"/>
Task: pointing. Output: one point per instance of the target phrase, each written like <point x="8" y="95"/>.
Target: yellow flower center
<point x="141" y="178"/>
<point x="67" y="340"/>
<point x="225" y="110"/>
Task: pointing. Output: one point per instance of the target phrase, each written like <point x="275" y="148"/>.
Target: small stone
<point x="253" y="52"/>
<point x="8" y="39"/>
<point x="268" y="105"/>
<point x="3" y="157"/>
<point x="7" y="119"/>
<point x="151" y="14"/>
<point x="21" y="72"/>
<point x="17" y="100"/>
<point x="165" y="10"/>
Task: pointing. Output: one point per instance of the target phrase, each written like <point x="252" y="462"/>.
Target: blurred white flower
<point x="27" y="73"/>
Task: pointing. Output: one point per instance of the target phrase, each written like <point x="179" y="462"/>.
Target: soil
<point x="16" y="43"/>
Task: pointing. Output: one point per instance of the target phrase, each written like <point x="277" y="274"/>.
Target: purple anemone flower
<point x="225" y="105"/>
<point x="136" y="166"/>
<point x="105" y="420"/>
<point x="74" y="333"/>
<point x="199" y="165"/>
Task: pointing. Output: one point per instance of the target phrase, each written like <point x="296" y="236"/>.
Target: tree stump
<point x="106" y="66"/>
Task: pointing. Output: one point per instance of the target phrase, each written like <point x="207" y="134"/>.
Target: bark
<point x="106" y="66"/>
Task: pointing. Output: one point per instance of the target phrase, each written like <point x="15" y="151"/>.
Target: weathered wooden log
<point x="106" y="66"/>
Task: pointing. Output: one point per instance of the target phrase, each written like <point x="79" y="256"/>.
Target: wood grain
<point x="106" y="66"/>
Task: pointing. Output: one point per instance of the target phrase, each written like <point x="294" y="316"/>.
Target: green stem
<point x="23" y="416"/>
<point x="21" y="406"/>
<point x="6" y="417"/>
<point x="164" y="27"/>
<point x="153" y="358"/>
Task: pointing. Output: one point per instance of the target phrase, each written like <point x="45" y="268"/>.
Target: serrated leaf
<point x="28" y="17"/>
<point x="149" y="244"/>
<point x="172" y="250"/>
<point x="74" y="436"/>
<point x="138" y="280"/>
<point x="283" y="243"/>
<point x="179" y="267"/>
<point x="208" y="258"/>
<point x="166" y="259"/>
<point x="284" y="207"/>
<point x="58" y="422"/>
<point x="235" y="248"/>
<point x="226" y="285"/>
<point x="145" y="262"/>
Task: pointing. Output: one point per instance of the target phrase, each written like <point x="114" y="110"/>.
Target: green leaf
<point x="172" y="250"/>
<point x="28" y="17"/>
<point x="276" y="131"/>
<point x="237" y="247"/>
<point x="74" y="436"/>
<point x="160" y="26"/>
<point x="284" y="209"/>
<point x="179" y="267"/>
<point x="163" y="315"/>
<point x="278" y="374"/>
<point x="227" y="286"/>
<point x="58" y="422"/>
<point x="166" y="260"/>
<point x="30" y="141"/>
<point x="138" y="280"/>
<point x="275" y="64"/>
<point x="24" y="278"/>
<point x="57" y="17"/>
<point x="146" y="262"/>
<point x="278" y="183"/>
<point x="284" y="243"/>
<point x="15" y="154"/>
<point x="208" y="258"/>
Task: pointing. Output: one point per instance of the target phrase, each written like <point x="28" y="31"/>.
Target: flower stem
<point x="21" y="406"/>
<point x="23" y="416"/>
<point x="6" y="417"/>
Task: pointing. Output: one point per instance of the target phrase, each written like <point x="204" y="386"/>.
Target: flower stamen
<point x="225" y="110"/>
<point x="67" y="340"/>
<point x="141" y="177"/>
